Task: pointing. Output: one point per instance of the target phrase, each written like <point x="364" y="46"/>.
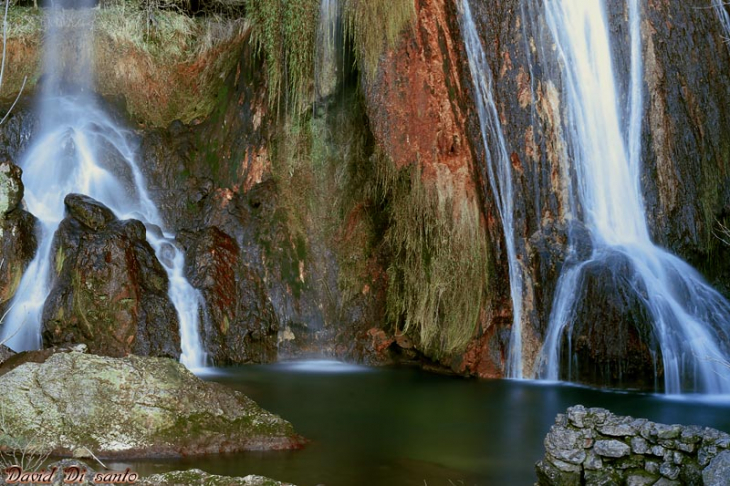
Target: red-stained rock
<point x="240" y="324"/>
<point x="416" y="103"/>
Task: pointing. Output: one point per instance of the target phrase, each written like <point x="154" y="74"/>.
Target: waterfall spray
<point x="70" y="153"/>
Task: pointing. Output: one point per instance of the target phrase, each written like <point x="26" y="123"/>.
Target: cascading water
<point x="80" y="149"/>
<point x="719" y="6"/>
<point x="690" y="319"/>
<point x="499" y="171"/>
<point x="329" y="34"/>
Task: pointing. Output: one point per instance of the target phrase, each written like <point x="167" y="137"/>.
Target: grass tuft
<point x="376" y="25"/>
<point x="438" y="273"/>
<point x="285" y="33"/>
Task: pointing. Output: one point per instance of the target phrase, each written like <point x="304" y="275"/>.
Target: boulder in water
<point x="131" y="407"/>
<point x="611" y="342"/>
<point x="109" y="290"/>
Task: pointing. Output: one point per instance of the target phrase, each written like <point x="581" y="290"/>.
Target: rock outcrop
<point x="109" y="291"/>
<point x="595" y="447"/>
<point x="130" y="407"/>
<point x="240" y="324"/>
<point x="18" y="242"/>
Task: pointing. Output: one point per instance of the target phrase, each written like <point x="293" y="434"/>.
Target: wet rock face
<point x="18" y="241"/>
<point x="594" y="446"/>
<point x="419" y="110"/>
<point x="240" y="325"/>
<point x="611" y="342"/>
<point x="109" y="290"/>
<point x="131" y="407"/>
<point x="686" y="178"/>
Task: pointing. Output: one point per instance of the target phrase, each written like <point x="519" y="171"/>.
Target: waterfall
<point x="499" y="172"/>
<point x="690" y="319"/>
<point x="329" y="36"/>
<point x="719" y="6"/>
<point x="80" y="149"/>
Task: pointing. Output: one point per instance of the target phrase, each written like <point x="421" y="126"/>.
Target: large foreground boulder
<point x="109" y="290"/>
<point x="130" y="407"/>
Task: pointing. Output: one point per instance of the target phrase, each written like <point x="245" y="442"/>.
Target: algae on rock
<point x="131" y="407"/>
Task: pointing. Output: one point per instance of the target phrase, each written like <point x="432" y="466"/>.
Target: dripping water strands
<point x="689" y="320"/>
<point x="721" y="10"/>
<point x="499" y="173"/>
<point x="79" y="148"/>
<point x="328" y="49"/>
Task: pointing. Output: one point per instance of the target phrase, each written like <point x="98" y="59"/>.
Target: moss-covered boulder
<point x="130" y="407"/>
<point x="198" y="477"/>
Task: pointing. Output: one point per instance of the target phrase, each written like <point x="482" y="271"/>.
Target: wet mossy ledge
<point x="73" y="403"/>
<point x="166" y="63"/>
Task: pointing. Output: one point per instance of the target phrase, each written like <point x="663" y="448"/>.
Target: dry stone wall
<point x="595" y="447"/>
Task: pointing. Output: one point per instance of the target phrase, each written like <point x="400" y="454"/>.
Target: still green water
<point x="403" y="426"/>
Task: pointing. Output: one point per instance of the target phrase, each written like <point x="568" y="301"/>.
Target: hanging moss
<point x="376" y="25"/>
<point x="285" y="32"/>
<point x="438" y="271"/>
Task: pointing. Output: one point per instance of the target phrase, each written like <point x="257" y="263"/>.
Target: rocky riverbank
<point x="595" y="447"/>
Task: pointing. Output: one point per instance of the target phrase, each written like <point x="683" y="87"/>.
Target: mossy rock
<point x="130" y="407"/>
<point x="198" y="477"/>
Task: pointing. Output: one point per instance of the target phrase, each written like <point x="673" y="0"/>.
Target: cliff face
<point x="367" y="228"/>
<point x="686" y="121"/>
<point x="420" y="111"/>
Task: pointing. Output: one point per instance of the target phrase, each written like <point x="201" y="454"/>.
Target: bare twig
<point x="723" y="233"/>
<point x="96" y="458"/>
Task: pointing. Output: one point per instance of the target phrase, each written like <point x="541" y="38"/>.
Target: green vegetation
<point x="285" y="33"/>
<point x="438" y="271"/>
<point x="167" y="63"/>
<point x="336" y="188"/>
<point x="376" y="25"/>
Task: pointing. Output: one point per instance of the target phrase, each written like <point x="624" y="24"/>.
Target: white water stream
<point x="499" y="171"/>
<point x="80" y="149"/>
<point x="690" y="319"/>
